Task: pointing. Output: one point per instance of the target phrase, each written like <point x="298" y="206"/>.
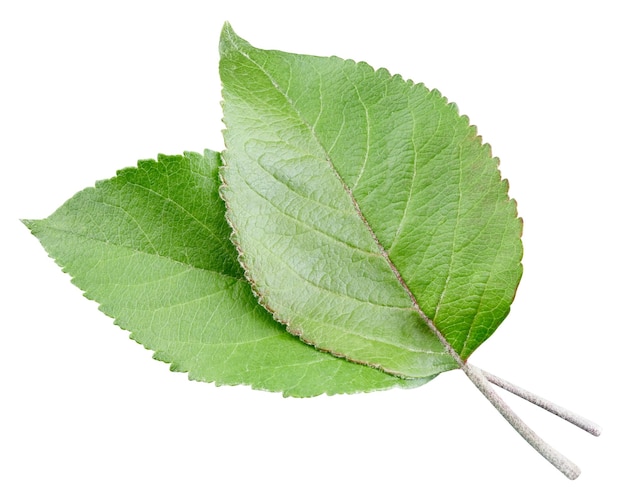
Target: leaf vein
<point x="348" y="191"/>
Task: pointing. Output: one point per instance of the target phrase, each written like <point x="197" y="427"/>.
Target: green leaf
<point x="369" y="216"/>
<point x="151" y="245"/>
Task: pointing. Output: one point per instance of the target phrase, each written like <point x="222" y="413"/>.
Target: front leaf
<point x="369" y="216"/>
<point x="151" y="246"/>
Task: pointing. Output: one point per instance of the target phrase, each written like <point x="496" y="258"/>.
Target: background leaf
<point x="364" y="206"/>
<point x="151" y="246"/>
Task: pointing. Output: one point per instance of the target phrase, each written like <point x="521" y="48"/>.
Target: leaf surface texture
<point x="151" y="245"/>
<point x="366" y="210"/>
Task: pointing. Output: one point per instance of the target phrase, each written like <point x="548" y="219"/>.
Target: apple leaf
<point x="369" y="216"/>
<point x="151" y="245"/>
<point x="366" y="216"/>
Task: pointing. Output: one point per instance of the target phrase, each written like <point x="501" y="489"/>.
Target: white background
<point x="90" y="87"/>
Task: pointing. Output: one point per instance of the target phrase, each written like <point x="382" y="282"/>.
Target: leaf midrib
<point x="31" y="223"/>
<point x="415" y="305"/>
<point x="38" y="225"/>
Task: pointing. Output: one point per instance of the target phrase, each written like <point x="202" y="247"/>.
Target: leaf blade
<point x="292" y="137"/>
<point x="151" y="246"/>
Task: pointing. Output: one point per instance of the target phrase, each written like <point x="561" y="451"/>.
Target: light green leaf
<point x="368" y="214"/>
<point x="151" y="245"/>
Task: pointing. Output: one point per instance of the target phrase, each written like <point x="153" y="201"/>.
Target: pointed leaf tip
<point x="229" y="39"/>
<point x="227" y="29"/>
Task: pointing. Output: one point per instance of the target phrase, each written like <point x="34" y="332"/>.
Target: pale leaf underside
<point x="368" y="215"/>
<point x="367" y="212"/>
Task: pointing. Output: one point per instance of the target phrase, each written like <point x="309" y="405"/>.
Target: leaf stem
<point x="559" y="461"/>
<point x="559" y="411"/>
<point x="566" y="466"/>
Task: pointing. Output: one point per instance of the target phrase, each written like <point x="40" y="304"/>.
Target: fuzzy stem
<point x="566" y="466"/>
<point x="564" y="413"/>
